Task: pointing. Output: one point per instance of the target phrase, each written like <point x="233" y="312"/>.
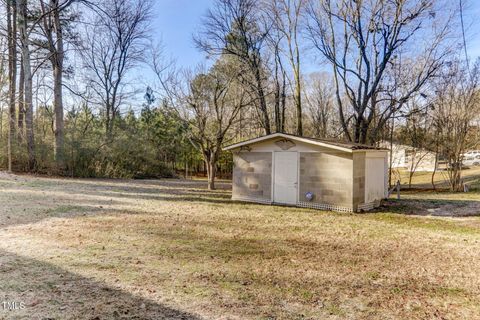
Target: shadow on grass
<point x="49" y="292"/>
<point x="161" y="195"/>
<point x="32" y="201"/>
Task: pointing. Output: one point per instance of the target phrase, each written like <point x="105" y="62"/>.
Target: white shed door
<point x="285" y="177"/>
<point x="374" y="179"/>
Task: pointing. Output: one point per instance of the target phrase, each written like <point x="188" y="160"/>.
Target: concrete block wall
<point x="252" y="175"/>
<point x="329" y="176"/>
<point x="358" y="179"/>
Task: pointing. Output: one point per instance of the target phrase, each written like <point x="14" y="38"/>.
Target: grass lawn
<point x="422" y="179"/>
<point x="104" y="249"/>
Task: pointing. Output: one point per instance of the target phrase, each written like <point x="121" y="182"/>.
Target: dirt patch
<point x="431" y="207"/>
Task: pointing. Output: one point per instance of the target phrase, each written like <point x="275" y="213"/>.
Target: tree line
<point x="358" y="71"/>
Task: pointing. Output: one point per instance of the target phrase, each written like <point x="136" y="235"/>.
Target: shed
<point x="306" y="172"/>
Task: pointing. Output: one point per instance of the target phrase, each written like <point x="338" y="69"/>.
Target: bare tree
<point x="208" y="103"/>
<point x="12" y="76"/>
<point x="21" y="89"/>
<point x="4" y="79"/>
<point x="416" y="133"/>
<point x="113" y="46"/>
<point x="286" y="16"/>
<point x="214" y="101"/>
<point x="233" y="28"/>
<point x="279" y="81"/>
<point x="280" y="91"/>
<point x="320" y="104"/>
<point x="456" y="106"/>
<point x="25" y="111"/>
<point x="52" y="28"/>
<point x="364" y="41"/>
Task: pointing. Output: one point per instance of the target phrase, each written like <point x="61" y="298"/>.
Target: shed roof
<point x="342" y="146"/>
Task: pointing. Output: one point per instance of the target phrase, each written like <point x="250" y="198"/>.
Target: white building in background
<point x="410" y="158"/>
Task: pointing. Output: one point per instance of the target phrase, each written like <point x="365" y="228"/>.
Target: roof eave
<point x="275" y="135"/>
<point x="247" y="142"/>
<point x="369" y="150"/>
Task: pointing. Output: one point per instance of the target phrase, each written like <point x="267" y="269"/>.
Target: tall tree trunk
<point x="210" y="160"/>
<point x="277" y="107"/>
<point x="262" y="101"/>
<point x="21" y="87"/>
<point x="212" y="173"/>
<point x="298" y="100"/>
<point x="12" y="76"/>
<point x="280" y="97"/>
<point x="53" y="31"/>
<point x="435" y="169"/>
<point x="363" y="132"/>
<point x="109" y="118"/>
<point x="27" y="96"/>
<point x="278" y="90"/>
<point x="58" y="88"/>
<point x="283" y="100"/>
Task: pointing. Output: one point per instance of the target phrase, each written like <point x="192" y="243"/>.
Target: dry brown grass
<point x="422" y="179"/>
<point x="81" y="249"/>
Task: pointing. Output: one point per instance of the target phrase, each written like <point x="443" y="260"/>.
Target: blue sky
<point x="176" y="20"/>
<point x="472" y="23"/>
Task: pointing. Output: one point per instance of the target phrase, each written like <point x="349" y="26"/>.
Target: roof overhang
<point x="287" y="136"/>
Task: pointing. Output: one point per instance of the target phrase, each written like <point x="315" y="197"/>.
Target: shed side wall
<point x="329" y="176"/>
<point x="252" y="176"/>
<point x="376" y="171"/>
<point x="358" y="179"/>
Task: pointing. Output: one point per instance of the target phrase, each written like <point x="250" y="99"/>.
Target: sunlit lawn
<point x="422" y="179"/>
<point x="85" y="249"/>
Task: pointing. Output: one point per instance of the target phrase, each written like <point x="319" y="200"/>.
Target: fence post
<point x="398" y="189"/>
